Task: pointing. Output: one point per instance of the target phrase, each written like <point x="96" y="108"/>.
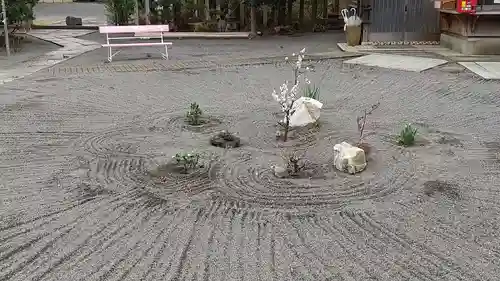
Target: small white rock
<point x="280" y="172"/>
<point x="348" y="158"/>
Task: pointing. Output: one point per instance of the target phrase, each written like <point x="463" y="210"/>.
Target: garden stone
<point x="305" y="111"/>
<point x="225" y="139"/>
<point x="280" y="172"/>
<point x="73" y="21"/>
<point x="348" y="158"/>
<point x="279" y="134"/>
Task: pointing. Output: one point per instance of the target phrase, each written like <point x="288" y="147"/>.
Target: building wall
<point x="389" y="21"/>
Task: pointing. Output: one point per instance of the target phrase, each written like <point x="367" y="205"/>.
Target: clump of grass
<point x="194" y="114"/>
<point x="188" y="161"/>
<point x="407" y="135"/>
<point x="311" y="92"/>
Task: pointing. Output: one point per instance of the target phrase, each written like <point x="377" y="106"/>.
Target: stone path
<point x="70" y="47"/>
<point x="487" y="70"/>
<point x="485" y="66"/>
<point x="407" y="63"/>
<point x="77" y="201"/>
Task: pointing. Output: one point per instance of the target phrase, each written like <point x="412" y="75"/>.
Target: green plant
<point x="189" y="161"/>
<point x="311" y="92"/>
<point x="319" y="28"/>
<point x="120" y="12"/>
<point x="203" y="27"/>
<point x="194" y="114"/>
<point x="407" y="135"/>
<point x="19" y="11"/>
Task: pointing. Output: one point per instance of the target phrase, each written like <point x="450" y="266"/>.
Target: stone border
<point x="61" y="27"/>
<point x="55" y="1"/>
<point x="183" y="65"/>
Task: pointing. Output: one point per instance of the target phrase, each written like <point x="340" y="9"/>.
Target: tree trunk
<point x="287" y="126"/>
<point x="242" y="15"/>
<point x="289" y="12"/>
<point x="281" y="12"/>
<point x="275" y="16"/>
<point x="314" y="13"/>
<point x="301" y="13"/>
<point x="136" y="12"/>
<point x="176" y="18"/>
<point x="253" y="20"/>
<point x="147" y="11"/>
<point x="207" y="10"/>
<point x="325" y="9"/>
<point x="265" y="16"/>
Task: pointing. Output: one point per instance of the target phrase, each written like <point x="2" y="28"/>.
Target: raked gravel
<point x="76" y="202"/>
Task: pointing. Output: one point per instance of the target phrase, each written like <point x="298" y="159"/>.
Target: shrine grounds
<point x="79" y="142"/>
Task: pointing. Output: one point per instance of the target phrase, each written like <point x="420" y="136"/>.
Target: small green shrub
<point x="194" y="114"/>
<point x="18" y="12"/>
<point x="319" y="28"/>
<point x="188" y="161"/>
<point x="120" y="12"/>
<point x="311" y="92"/>
<point x="203" y="27"/>
<point x="407" y="135"/>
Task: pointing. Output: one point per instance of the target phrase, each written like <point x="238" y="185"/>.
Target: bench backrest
<point x="133" y="29"/>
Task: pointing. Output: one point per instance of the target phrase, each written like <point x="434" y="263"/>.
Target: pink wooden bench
<point x="153" y="31"/>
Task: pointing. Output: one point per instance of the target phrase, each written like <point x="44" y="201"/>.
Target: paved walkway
<point x="408" y="63"/>
<point x="70" y="47"/>
<point x="408" y="57"/>
<point x="77" y="201"/>
<point x="184" y="54"/>
<point x="487" y="70"/>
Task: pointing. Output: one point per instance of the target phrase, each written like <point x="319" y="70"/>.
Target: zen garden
<point x="276" y="157"/>
<point x="298" y="121"/>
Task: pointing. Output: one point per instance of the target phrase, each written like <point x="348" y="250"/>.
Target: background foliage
<point x="19" y="10"/>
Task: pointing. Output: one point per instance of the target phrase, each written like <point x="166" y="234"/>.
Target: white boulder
<point x="348" y="158"/>
<point x="305" y="111"/>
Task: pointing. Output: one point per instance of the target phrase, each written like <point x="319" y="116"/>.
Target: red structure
<point x="471" y="27"/>
<point x="467" y="6"/>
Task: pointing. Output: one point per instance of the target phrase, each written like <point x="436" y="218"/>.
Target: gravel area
<point x="210" y="50"/>
<point x="77" y="202"/>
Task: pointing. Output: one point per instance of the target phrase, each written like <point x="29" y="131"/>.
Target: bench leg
<point x="110" y="54"/>
<point x="165" y="56"/>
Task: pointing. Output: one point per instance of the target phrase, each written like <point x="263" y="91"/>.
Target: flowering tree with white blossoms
<point x="289" y="94"/>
